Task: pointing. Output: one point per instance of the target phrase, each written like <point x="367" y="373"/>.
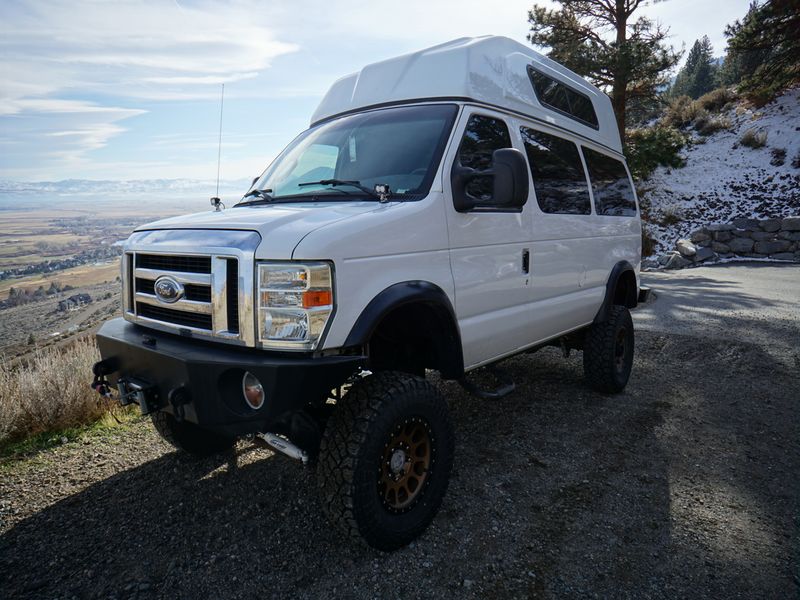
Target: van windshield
<point x="400" y="147"/>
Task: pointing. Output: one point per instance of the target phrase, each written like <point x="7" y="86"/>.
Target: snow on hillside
<point x="724" y="180"/>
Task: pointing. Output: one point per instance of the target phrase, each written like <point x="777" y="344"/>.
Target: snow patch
<point x="723" y="180"/>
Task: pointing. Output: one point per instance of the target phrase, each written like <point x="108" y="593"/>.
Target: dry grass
<point x="754" y="138"/>
<point x="50" y="391"/>
<point x="712" y="125"/>
<point x="671" y="214"/>
<point x="717" y="99"/>
<point x="683" y="111"/>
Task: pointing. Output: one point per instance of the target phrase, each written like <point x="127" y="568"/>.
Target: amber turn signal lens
<point x="252" y="390"/>
<point x="317" y="298"/>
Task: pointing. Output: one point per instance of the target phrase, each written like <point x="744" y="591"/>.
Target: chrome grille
<point x="166" y="262"/>
<point x="217" y="302"/>
<point x="176" y="317"/>
<point x="195" y="309"/>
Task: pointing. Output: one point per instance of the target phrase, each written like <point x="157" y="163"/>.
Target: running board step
<point x="501" y="391"/>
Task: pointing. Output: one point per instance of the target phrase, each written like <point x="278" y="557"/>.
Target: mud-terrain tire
<point x="188" y="437"/>
<point x="608" y="352"/>
<point x="385" y="459"/>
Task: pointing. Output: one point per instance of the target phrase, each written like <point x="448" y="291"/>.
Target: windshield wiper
<point x="351" y="183"/>
<point x="263" y="198"/>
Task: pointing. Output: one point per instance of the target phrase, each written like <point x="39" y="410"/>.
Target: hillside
<point x="724" y="179"/>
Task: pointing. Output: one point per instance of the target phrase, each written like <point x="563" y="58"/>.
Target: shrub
<point x="753" y="138"/>
<point x="716" y="100"/>
<point x="683" y="111"/>
<point x="758" y="93"/>
<point x="778" y="157"/>
<point x="701" y="119"/>
<point x="711" y="126"/>
<point x="651" y="147"/>
<point x="680" y="112"/>
<point x="648" y="242"/>
<point x="670" y="215"/>
<point x="50" y="391"/>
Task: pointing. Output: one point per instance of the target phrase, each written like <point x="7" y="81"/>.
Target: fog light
<point x="252" y="390"/>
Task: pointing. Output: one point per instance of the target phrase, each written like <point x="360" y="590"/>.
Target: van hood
<point x="281" y="226"/>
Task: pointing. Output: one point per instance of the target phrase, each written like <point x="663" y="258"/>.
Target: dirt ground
<point x="686" y="485"/>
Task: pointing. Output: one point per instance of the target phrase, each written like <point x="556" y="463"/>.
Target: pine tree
<point x="698" y="75"/>
<point x="741" y="63"/>
<point x="599" y="40"/>
<point x="768" y="42"/>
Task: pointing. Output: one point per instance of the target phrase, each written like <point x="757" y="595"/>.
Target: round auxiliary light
<point x="252" y="390"/>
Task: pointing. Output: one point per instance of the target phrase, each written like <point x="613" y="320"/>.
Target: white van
<point x="445" y="210"/>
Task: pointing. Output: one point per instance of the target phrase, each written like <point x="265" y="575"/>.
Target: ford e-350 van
<point x="446" y="209"/>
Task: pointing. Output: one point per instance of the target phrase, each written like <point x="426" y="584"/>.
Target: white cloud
<point x="127" y="42"/>
<point x="137" y="50"/>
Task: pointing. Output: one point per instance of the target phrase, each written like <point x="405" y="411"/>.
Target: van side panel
<point x="398" y="242"/>
<point x="571" y="261"/>
<point x="572" y="257"/>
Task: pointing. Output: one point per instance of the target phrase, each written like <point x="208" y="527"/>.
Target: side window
<point x="613" y="194"/>
<point x="562" y="98"/>
<point x="558" y="176"/>
<point x="482" y="137"/>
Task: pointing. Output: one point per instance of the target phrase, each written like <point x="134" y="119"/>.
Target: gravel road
<point x="686" y="485"/>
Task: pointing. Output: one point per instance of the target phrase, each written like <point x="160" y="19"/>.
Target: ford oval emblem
<point x="168" y="290"/>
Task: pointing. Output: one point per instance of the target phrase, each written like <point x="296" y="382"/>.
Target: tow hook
<point x="284" y="446"/>
<point x="100" y="370"/>
<point x="177" y="399"/>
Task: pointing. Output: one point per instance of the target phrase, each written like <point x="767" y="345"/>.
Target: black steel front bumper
<point x="201" y="381"/>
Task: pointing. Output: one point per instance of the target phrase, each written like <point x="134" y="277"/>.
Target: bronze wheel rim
<point x="405" y="467"/>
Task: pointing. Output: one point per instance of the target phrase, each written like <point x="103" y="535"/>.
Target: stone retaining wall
<point x="777" y="239"/>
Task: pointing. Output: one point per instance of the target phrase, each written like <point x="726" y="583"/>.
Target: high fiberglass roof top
<point x="490" y="69"/>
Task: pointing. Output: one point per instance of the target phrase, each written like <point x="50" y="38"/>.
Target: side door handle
<point x="526" y="261"/>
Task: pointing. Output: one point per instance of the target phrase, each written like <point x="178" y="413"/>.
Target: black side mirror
<point x="509" y="174"/>
<point x="510" y="178"/>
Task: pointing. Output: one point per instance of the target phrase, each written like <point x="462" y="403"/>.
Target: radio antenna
<point x="215" y="201"/>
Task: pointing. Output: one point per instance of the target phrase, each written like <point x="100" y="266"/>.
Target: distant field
<point x="61" y="228"/>
<point x="78" y="276"/>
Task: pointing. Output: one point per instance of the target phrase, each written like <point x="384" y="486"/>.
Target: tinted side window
<point x="558" y="175"/>
<point x="613" y="194"/>
<point x="482" y="137"/>
<point x="562" y="98"/>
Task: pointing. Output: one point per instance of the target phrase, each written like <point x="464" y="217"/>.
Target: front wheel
<point x="608" y="352"/>
<point x="385" y="459"/>
<point x="188" y="437"/>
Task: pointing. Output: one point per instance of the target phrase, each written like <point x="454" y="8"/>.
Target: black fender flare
<point x="619" y="269"/>
<point x="448" y="340"/>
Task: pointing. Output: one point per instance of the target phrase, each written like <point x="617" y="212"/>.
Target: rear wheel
<point x="608" y="352"/>
<point x="385" y="459"/>
<point x="188" y="437"/>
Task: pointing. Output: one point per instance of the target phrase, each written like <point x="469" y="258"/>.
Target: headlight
<point x="295" y="302"/>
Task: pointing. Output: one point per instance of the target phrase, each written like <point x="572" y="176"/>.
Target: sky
<point x="130" y="89"/>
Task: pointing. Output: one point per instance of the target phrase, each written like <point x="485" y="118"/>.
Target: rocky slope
<point x="725" y="180"/>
